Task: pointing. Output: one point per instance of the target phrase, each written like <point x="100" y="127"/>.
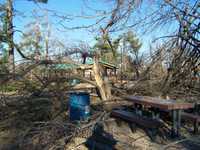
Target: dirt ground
<point x="118" y="135"/>
<point x="40" y="124"/>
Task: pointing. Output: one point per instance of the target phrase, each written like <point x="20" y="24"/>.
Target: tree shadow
<point x="100" y="139"/>
<point x="190" y="145"/>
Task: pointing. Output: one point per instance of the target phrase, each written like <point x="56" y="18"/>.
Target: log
<point x="101" y="81"/>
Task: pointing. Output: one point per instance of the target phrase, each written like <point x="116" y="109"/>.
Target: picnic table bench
<point x="195" y="119"/>
<point x="147" y="123"/>
<point x="185" y="117"/>
<point x="131" y="117"/>
<point x="161" y="104"/>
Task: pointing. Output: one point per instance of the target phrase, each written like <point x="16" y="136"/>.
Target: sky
<point x="26" y="10"/>
<point x="61" y="7"/>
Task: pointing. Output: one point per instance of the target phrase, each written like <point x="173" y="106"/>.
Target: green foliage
<point x="11" y="87"/>
<point x="3" y="23"/>
<point x="133" y="44"/>
<point x="33" y="41"/>
<point x="101" y="45"/>
<point x="3" y="37"/>
<point x="3" y="55"/>
<point x="31" y="86"/>
<point x="3" y="30"/>
<point x="131" y="54"/>
<point x="133" y="41"/>
<point x="108" y="53"/>
<point x="3" y="41"/>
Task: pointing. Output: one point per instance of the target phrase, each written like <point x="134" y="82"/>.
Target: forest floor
<point x="39" y="123"/>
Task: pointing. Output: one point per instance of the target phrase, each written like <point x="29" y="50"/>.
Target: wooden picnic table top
<point x="159" y="103"/>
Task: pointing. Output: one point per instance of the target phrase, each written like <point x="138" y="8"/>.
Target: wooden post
<point x="176" y="122"/>
<point x="174" y="125"/>
<point x="155" y="113"/>
<point x="196" y="109"/>
<point x="196" y="126"/>
<point x="138" y="109"/>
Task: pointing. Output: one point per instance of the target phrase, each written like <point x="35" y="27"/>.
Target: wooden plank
<point x="159" y="103"/>
<point x="139" y="120"/>
<point x="83" y="86"/>
<point x="190" y="117"/>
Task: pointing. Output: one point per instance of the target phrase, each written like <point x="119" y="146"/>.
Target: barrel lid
<point x="78" y="93"/>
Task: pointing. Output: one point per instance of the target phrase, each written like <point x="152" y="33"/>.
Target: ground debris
<point x="33" y="124"/>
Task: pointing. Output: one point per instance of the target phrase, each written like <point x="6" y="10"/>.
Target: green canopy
<point x="64" y="66"/>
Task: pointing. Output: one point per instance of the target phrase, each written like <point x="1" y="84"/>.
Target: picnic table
<point x="162" y="104"/>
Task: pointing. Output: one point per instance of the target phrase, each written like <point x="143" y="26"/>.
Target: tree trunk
<point x="137" y="71"/>
<point x="101" y="81"/>
<point x="47" y="47"/>
<point x="9" y="23"/>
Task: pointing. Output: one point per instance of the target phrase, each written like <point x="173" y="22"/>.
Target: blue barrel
<point x="79" y="106"/>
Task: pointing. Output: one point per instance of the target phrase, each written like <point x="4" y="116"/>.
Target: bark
<point x="10" y="33"/>
<point x="101" y="81"/>
<point x="47" y="47"/>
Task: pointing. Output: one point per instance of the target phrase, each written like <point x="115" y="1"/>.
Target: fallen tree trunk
<point x="101" y="81"/>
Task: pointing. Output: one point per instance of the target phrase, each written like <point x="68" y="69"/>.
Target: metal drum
<point x="79" y="106"/>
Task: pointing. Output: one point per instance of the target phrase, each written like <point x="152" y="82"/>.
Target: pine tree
<point x="10" y="32"/>
<point x="107" y="53"/>
<point x="133" y="47"/>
